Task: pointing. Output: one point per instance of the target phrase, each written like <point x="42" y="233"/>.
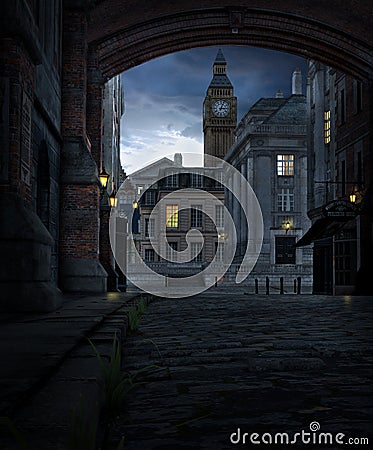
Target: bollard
<point x="281" y="285"/>
<point x="295" y="285"/>
<point x="267" y="286"/>
<point x="166" y="281"/>
<point x="216" y="281"/>
<point x="299" y="285"/>
<point x="256" y="286"/>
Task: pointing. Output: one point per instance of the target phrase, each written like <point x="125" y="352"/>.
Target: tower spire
<point x="220" y="58"/>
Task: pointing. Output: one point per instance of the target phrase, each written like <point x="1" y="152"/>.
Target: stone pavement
<point x="47" y="363"/>
<point x="259" y="363"/>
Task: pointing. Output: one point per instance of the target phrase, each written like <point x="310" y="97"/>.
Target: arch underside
<point x="133" y="46"/>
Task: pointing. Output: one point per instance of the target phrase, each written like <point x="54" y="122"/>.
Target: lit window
<point x="196" y="249"/>
<point x="285" y="165"/>
<point x="172" y="216"/>
<point x="327" y="127"/>
<point x="219" y="216"/>
<point x="196" y="216"/>
<point x="285" y="200"/>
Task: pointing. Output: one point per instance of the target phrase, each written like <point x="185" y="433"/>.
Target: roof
<point x="220" y="81"/>
<point x="220" y="58"/>
<point x="292" y="112"/>
<point x="287" y="111"/>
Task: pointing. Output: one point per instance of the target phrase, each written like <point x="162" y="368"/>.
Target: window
<point x="219" y="250"/>
<point x="358" y="96"/>
<point x="343" y="177"/>
<point x="149" y="254"/>
<point x="285" y="250"/>
<point x="285" y="200"/>
<point x="149" y="198"/>
<point x="327" y="127"/>
<point x="149" y="228"/>
<point x="345" y="262"/>
<point x="196" y="249"/>
<point x="170" y="251"/>
<point x="219" y="216"/>
<point x="196" y="216"/>
<point x="342" y="106"/>
<point x="171" y="180"/>
<point x="285" y="165"/>
<point x="359" y="168"/>
<point x="172" y="216"/>
<point x="196" y="180"/>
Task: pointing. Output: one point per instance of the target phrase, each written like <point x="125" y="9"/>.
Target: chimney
<point x="279" y="94"/>
<point x="296" y="82"/>
<point x="178" y="159"/>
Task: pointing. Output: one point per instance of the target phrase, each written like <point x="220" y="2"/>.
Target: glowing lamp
<point x="104" y="178"/>
<point x="113" y="200"/>
<point x="353" y="197"/>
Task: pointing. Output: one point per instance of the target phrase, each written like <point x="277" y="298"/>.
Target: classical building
<point x="190" y="209"/>
<point x="219" y="111"/>
<point x="271" y="152"/>
<point x="340" y="173"/>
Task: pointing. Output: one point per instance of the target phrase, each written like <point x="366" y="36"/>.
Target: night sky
<point x="164" y="97"/>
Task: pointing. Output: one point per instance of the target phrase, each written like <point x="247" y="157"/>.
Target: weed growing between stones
<point x="135" y="314"/>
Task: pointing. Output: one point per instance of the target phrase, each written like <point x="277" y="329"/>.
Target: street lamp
<point x="287" y="226"/>
<point x="353" y="195"/>
<point x="135" y="204"/>
<point x="104" y="178"/>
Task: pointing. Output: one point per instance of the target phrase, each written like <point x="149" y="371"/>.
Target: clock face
<point x="220" y="108"/>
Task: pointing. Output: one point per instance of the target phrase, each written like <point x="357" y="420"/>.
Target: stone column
<point x="80" y="268"/>
<point x="25" y="244"/>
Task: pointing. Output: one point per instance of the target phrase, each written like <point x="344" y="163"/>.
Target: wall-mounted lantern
<point x="287" y="226"/>
<point x="113" y="201"/>
<point x="104" y="178"/>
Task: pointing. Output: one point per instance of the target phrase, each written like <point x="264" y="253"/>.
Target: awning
<point x="322" y="228"/>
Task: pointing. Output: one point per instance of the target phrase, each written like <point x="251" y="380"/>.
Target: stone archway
<point x="127" y="35"/>
<point x="63" y="85"/>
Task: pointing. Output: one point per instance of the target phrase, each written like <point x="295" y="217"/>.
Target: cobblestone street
<point x="259" y="363"/>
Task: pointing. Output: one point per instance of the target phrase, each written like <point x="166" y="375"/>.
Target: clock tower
<point x="219" y="111"/>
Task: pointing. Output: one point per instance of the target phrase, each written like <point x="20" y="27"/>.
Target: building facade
<point x="172" y="201"/>
<point x="271" y="152"/>
<point x="339" y="181"/>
